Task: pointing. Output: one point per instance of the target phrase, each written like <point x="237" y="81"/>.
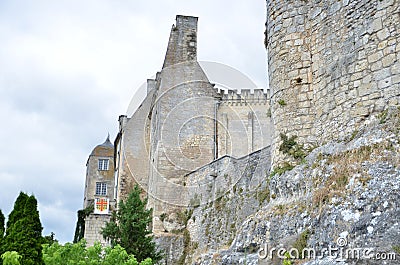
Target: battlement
<point x="244" y="97"/>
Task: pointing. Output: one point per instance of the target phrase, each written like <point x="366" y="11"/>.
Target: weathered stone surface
<point x="346" y="40"/>
<point x="94" y="223"/>
<point x="173" y="247"/>
<point x="348" y="190"/>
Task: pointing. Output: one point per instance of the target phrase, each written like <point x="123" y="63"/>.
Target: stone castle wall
<point x="132" y="149"/>
<point x="244" y="122"/>
<point x="223" y="194"/>
<point x="219" y="196"/>
<point x="94" y="223"/>
<point x="331" y="65"/>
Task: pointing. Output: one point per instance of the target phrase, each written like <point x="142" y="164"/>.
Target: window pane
<point x="103" y="164"/>
<point x="101" y="188"/>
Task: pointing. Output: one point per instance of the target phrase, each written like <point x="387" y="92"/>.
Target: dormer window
<point x="103" y="164"/>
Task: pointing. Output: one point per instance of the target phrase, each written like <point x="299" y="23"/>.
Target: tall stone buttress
<point x="182" y="120"/>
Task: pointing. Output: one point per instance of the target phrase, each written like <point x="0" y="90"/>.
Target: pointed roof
<point x="107" y="142"/>
<point x="104" y="149"/>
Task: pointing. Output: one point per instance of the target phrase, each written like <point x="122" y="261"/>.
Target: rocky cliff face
<point x="345" y="195"/>
<point x="228" y="191"/>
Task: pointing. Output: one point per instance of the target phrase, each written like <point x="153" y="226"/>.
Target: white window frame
<point x="101" y="189"/>
<point x="103" y="164"/>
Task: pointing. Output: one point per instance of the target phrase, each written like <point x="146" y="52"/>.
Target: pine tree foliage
<point x="2" y="230"/>
<point x="24" y="231"/>
<point x="18" y="211"/>
<point x="129" y="228"/>
<point x="2" y="223"/>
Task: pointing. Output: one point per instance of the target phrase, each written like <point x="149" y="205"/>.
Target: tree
<point x="128" y="227"/>
<point x="2" y="220"/>
<point x="50" y="239"/>
<point x="16" y="214"/>
<point x="18" y="211"/>
<point x="11" y="258"/>
<point x="24" y="231"/>
<point x="78" y="253"/>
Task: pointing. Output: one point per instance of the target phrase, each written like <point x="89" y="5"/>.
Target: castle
<point x="184" y="124"/>
<point x="333" y="65"/>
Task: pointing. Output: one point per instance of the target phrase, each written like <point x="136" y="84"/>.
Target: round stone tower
<point x="333" y="65"/>
<point x="99" y="190"/>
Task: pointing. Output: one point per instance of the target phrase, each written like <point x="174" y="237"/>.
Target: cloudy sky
<point x="69" y="68"/>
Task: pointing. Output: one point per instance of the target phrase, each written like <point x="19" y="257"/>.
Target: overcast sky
<point x="69" y="68"/>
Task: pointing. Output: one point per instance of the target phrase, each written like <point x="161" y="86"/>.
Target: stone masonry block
<point x="375" y="26"/>
<point x="388" y="60"/>
<point x="383" y="34"/>
<point x="375" y="57"/>
<point x="385" y="82"/>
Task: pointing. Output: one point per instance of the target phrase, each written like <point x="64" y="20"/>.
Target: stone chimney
<point x="182" y="45"/>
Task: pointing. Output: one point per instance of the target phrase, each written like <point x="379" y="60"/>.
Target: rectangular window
<point x="103" y="164"/>
<point x="101" y="188"/>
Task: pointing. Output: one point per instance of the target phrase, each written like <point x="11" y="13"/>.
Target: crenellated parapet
<point x="244" y="122"/>
<point x="244" y="97"/>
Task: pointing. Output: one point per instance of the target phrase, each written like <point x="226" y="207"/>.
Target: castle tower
<point x="183" y="124"/>
<point x="332" y="65"/>
<point x="99" y="190"/>
<point x="183" y="119"/>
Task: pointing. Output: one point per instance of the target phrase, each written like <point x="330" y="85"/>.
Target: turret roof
<point x="104" y="149"/>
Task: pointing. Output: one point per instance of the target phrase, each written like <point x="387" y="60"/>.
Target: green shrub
<point x="263" y="195"/>
<point x="301" y="243"/>
<point x="281" y="169"/>
<point x="291" y="147"/>
<point x="282" y="102"/>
